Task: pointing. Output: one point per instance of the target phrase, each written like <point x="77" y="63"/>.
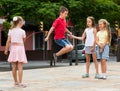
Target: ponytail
<point x="15" y="21"/>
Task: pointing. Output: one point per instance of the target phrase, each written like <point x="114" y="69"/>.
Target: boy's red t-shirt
<point x="59" y="28"/>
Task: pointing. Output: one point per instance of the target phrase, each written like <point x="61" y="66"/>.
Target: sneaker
<point x="55" y="57"/>
<point x="85" y="75"/>
<point x="97" y="76"/>
<point x="103" y="77"/>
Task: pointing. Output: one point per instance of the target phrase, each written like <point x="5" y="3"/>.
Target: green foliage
<point x="47" y="13"/>
<point x="48" y="10"/>
<point x="6" y="27"/>
<point x="116" y="1"/>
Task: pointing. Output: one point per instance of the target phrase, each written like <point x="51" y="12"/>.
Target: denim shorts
<point x="104" y="54"/>
<point x="62" y="42"/>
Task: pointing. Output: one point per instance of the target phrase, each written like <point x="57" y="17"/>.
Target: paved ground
<point x="64" y="78"/>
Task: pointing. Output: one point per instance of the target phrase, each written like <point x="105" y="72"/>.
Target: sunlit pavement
<point x="64" y="78"/>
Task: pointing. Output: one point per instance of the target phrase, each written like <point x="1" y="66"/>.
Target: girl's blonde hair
<point x="107" y="28"/>
<point x="15" y="21"/>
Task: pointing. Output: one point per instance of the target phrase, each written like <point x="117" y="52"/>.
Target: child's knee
<point x="67" y="47"/>
<point x="70" y="48"/>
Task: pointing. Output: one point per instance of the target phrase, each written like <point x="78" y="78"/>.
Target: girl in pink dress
<point x="15" y="43"/>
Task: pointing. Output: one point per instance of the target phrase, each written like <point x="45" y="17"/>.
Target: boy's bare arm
<point x="68" y="31"/>
<point x="49" y="33"/>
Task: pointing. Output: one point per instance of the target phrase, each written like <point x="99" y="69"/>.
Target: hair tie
<point x="15" y="18"/>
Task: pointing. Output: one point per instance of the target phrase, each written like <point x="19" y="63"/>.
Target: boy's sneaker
<point x="97" y="76"/>
<point x="85" y="75"/>
<point x="55" y="57"/>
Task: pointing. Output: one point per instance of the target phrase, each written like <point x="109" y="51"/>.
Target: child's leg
<point x="87" y="66"/>
<point x="87" y="63"/>
<point x="20" y="71"/>
<point x="67" y="46"/>
<point x="14" y="72"/>
<point x="104" y="58"/>
<point x="95" y="62"/>
<point x="103" y="66"/>
<point x="64" y="50"/>
<point x="103" y="69"/>
<point x="20" y="74"/>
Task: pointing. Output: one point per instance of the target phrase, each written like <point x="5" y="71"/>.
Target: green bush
<point x="6" y="27"/>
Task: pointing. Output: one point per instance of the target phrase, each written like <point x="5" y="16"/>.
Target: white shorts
<point x="88" y="50"/>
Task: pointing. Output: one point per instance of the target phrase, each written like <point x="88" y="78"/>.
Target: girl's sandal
<point x="22" y="85"/>
<point x="16" y="84"/>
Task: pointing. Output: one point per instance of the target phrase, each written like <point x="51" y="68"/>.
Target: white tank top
<point x="89" y="41"/>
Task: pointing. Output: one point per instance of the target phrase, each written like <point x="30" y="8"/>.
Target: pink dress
<point x="17" y="50"/>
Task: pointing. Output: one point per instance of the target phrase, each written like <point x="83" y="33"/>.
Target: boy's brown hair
<point x="63" y="9"/>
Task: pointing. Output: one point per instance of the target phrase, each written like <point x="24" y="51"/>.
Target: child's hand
<point x="46" y="39"/>
<point x="102" y="45"/>
<point x="92" y="49"/>
<point x="72" y="36"/>
<point x="5" y="52"/>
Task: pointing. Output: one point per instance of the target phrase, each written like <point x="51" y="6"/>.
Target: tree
<point x="35" y="11"/>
